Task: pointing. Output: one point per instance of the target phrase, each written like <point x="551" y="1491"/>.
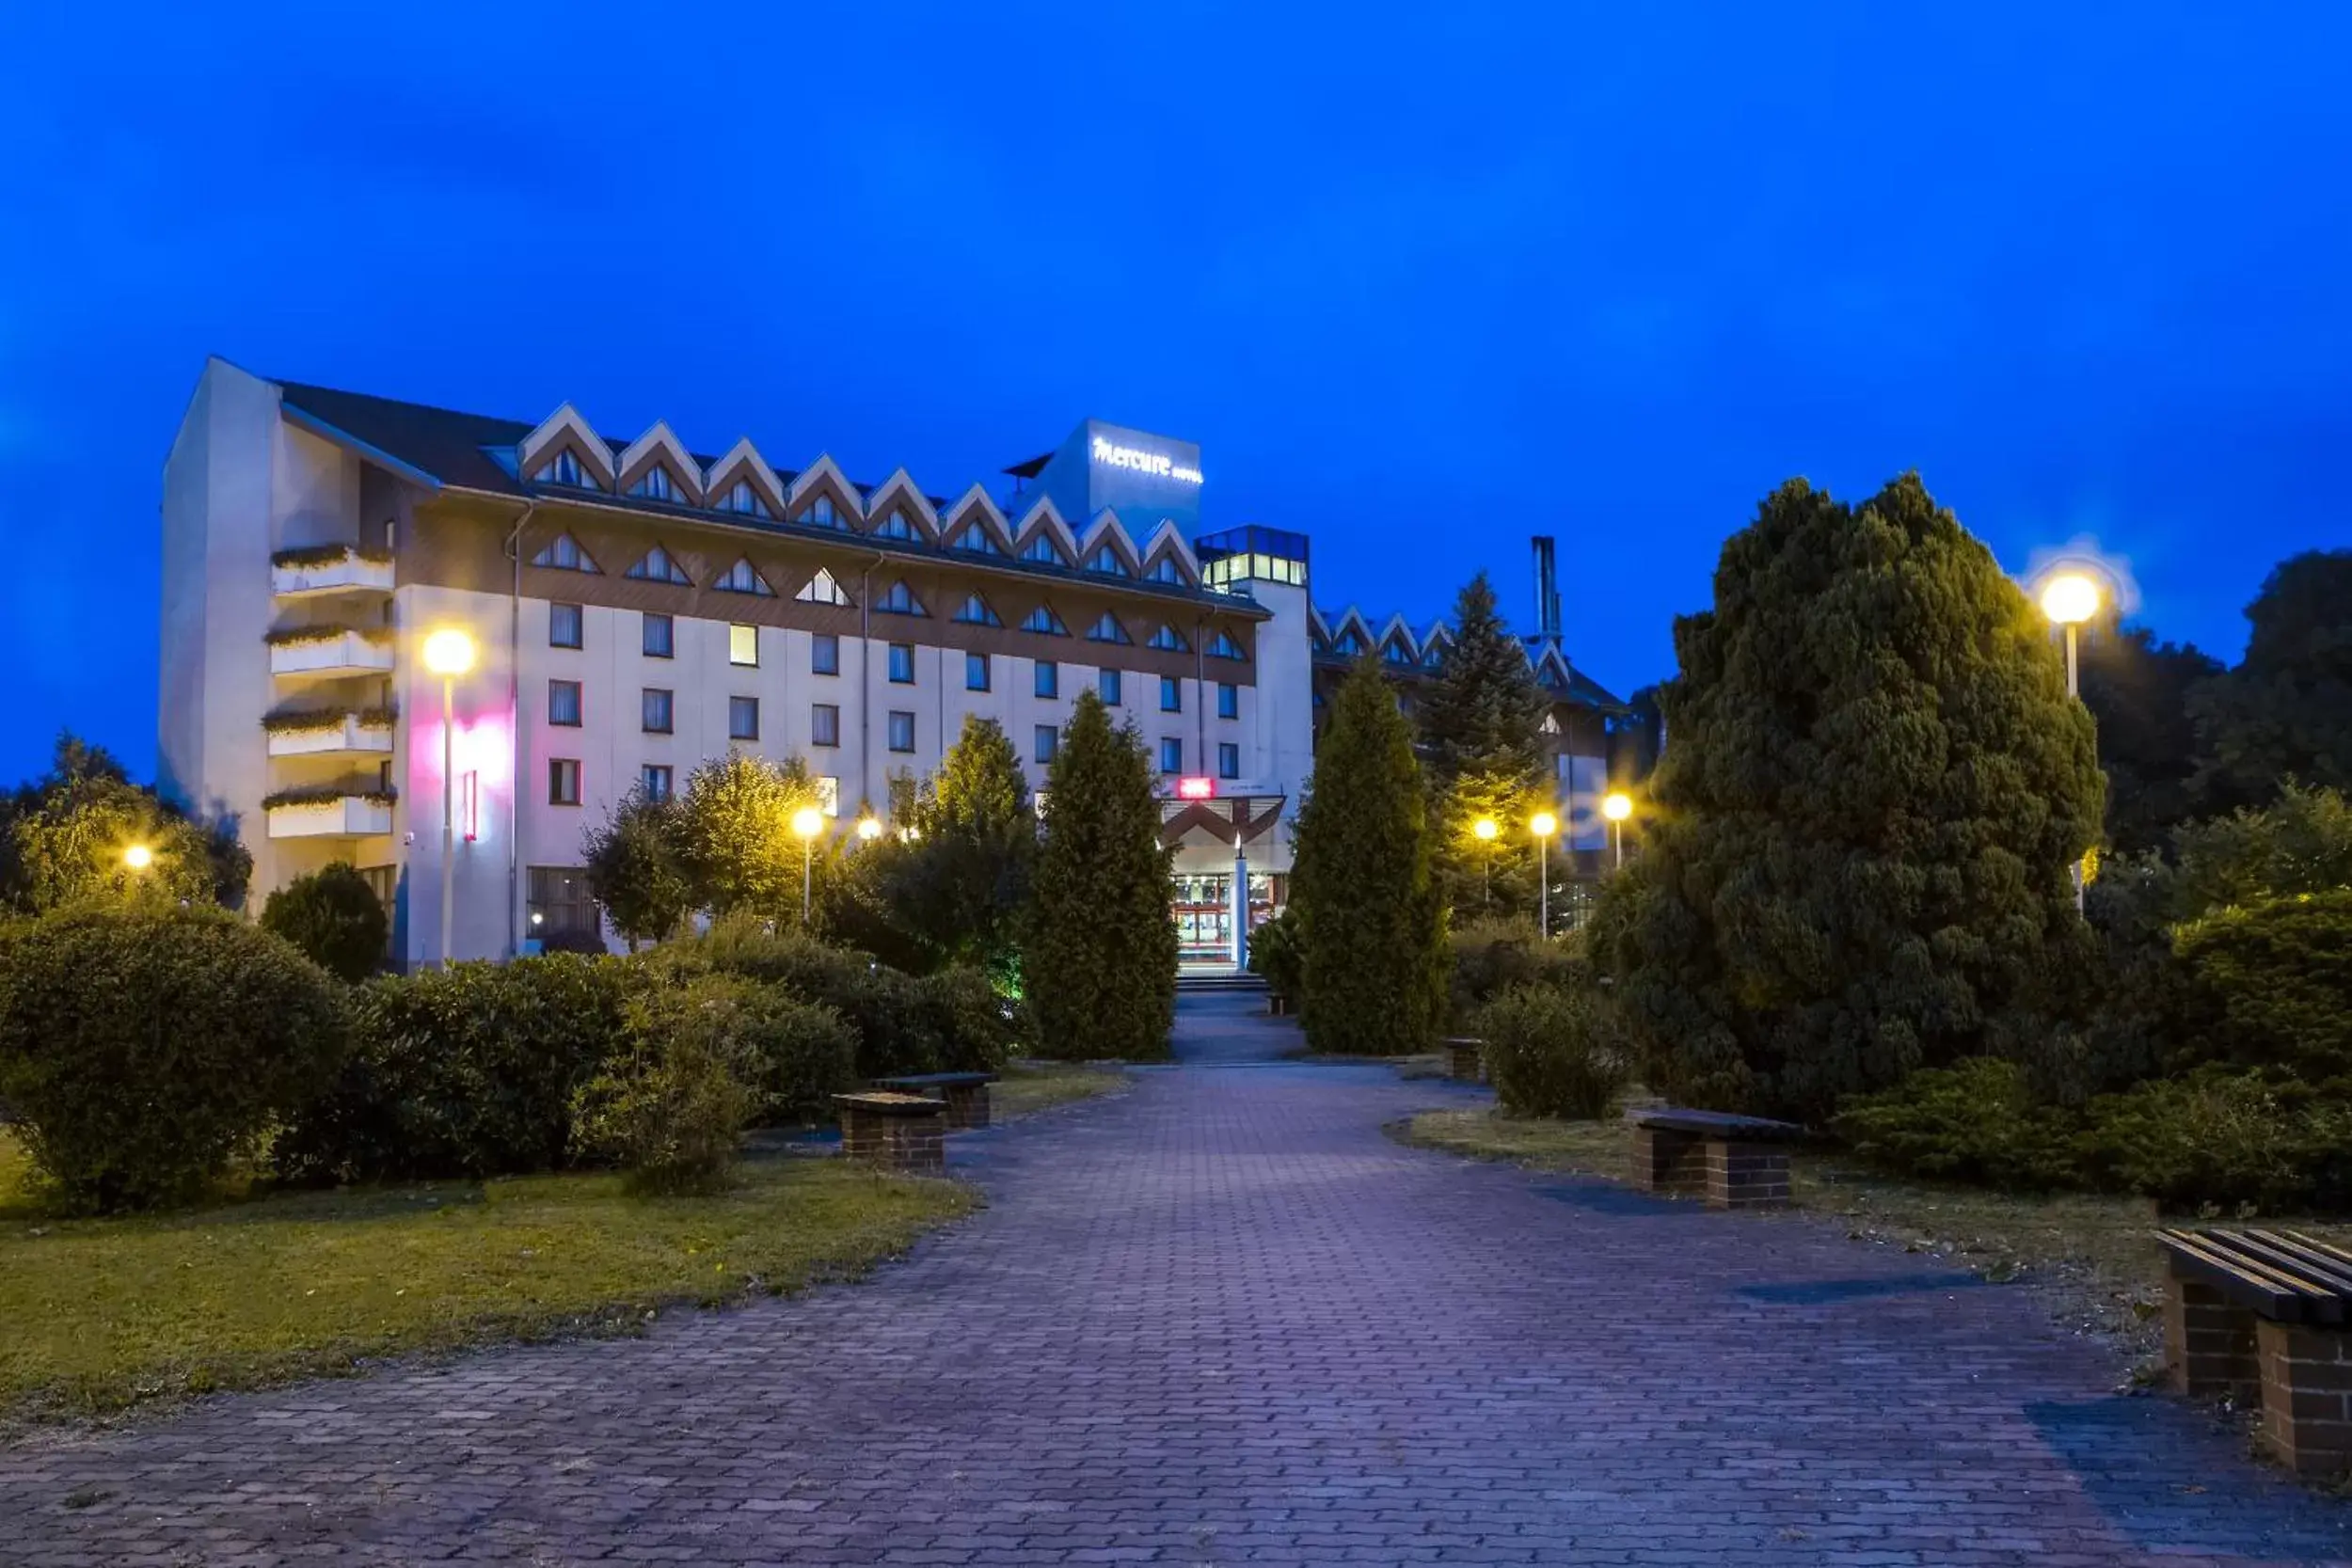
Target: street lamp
<point x="807" y="822"/>
<point x="2069" y="599"/>
<point x="138" y="856"/>
<point x="1486" y="828"/>
<point x="1616" y="806"/>
<point x="448" y="652"/>
<point x="868" y="829"/>
<point x="1543" y="825"/>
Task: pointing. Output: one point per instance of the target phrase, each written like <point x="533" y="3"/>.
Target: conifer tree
<point x="1371" y="928"/>
<point x="1100" y="962"/>
<point x="1480" y="729"/>
<point x="1857" y="860"/>
<point x="956" y="887"/>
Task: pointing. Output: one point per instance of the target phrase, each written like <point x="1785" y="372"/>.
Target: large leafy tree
<point x="634" y="868"/>
<point x="1876" y="784"/>
<point x="2138" y="688"/>
<point x="67" y="835"/>
<point x="1370" y="928"/>
<point x="731" y="831"/>
<point x="1479" y="726"/>
<point x="2286" y="710"/>
<point x="1100" y="962"/>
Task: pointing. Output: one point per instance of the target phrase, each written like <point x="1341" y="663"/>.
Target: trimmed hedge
<point x="142" y="1047"/>
<point x="1552" y="1050"/>
<point x="334" y="918"/>
<point x="670" y="1107"/>
<point x="897" y="1032"/>
<point x="1487" y="958"/>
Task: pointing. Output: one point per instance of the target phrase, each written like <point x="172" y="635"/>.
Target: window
<point x="1106" y="561"/>
<point x="974" y="611"/>
<point x="901" y="730"/>
<point x="1170" y="640"/>
<point x="655" y="485"/>
<point x="820" y="514"/>
<point x="659" y="567"/>
<point x="654" y="780"/>
<point x="1227" y="700"/>
<point x="829" y="794"/>
<point x="1107" y="685"/>
<point x="657" y="710"/>
<point x="1395" y="652"/>
<point x="660" y="637"/>
<point x="1165" y="570"/>
<point x="565" y="469"/>
<point x="1043" y="548"/>
<point x="899" y="600"/>
<point x="562" y="554"/>
<point x="1048" y="679"/>
<point x="824" y="724"/>
<point x="742" y="718"/>
<point x="1171" y="695"/>
<point x="976" y="672"/>
<point x="743" y="645"/>
<point x="1048" y="742"/>
<point x="895" y="527"/>
<point x="976" y="541"/>
<point x="1171" y="754"/>
<point x="742" y="578"/>
<point x="1228" y="760"/>
<point x="743" y="498"/>
<point x="564" y="703"/>
<point x="902" y="664"/>
<point x="1223" y="646"/>
<point x="824" y="654"/>
<point x="564" y="626"/>
<point x="1107" y="629"/>
<point x="563" y="780"/>
<point x="823" y="589"/>
<point x="1044" y="621"/>
<point x="560" y="903"/>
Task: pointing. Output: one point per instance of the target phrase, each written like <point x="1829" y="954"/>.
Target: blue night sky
<point x="1420" y="280"/>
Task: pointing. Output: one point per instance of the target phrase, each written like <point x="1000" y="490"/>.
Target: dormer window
<point x="1223" y="646"/>
<point x="1043" y="548"/>
<point x="895" y="527"/>
<point x="743" y="498"/>
<point x="1165" y="570"/>
<point x="743" y="579"/>
<point x="564" y="468"/>
<point x="974" y="611"/>
<point x="1107" y="629"/>
<point x="976" y="541"/>
<point x="820" y="514"/>
<point x="657" y="566"/>
<point x="1167" y="640"/>
<point x="655" y="485"/>
<point x="899" y="600"/>
<point x="1044" y="622"/>
<point x="563" y="554"/>
<point x="1397" y="652"/>
<point x="1349" y="646"/>
<point x="823" y="589"/>
<point x="1105" y="559"/>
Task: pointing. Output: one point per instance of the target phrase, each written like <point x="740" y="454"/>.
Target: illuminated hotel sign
<point x="1158" y="464"/>
<point x="1196" y="789"/>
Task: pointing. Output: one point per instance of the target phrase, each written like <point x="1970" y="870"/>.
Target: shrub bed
<point x="1552" y="1050"/>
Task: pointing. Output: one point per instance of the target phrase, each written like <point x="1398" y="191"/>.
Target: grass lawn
<point x="1025" y="1087"/>
<point x="2102" y="1272"/>
<point x="100" y="1314"/>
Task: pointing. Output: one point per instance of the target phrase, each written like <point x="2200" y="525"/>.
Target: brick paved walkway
<point x="1222" y="1320"/>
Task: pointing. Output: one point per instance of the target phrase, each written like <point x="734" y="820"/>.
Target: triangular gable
<point x="1549" y="670"/>
<point x="561" y="429"/>
<point x="660" y="445"/>
<point x="899" y="600"/>
<point x="1044" y="622"/>
<point x="1350" y="636"/>
<point x="1107" y="529"/>
<point x="1436" y="643"/>
<point x="900" y="493"/>
<point x="1223" y="646"/>
<point x="1397" y="645"/>
<point x="1318" y="629"/>
<point x="975" y="611"/>
<point x="1044" y="518"/>
<point x="1107" y="628"/>
<point x="742" y="465"/>
<point x="824" y="477"/>
<point x="1167" y="640"/>
<point x="562" y="553"/>
<point x="823" y="588"/>
<point x="659" y="566"/>
<point x="1168" y="544"/>
<point x="975" y="510"/>
<point x="742" y="577"/>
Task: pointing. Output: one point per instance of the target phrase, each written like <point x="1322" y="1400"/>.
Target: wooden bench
<point x="898" y="1131"/>
<point x="2266" y="1316"/>
<point x="965" y="1094"/>
<point x="1733" y="1162"/>
<point x="1466" y="1058"/>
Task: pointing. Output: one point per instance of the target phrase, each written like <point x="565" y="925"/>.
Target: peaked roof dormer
<point x="565" y="431"/>
<point x="743" y="476"/>
<point x="824" y="478"/>
<point x="901" y="496"/>
<point x="1045" y="521"/>
<point x="1167" y="549"/>
<point x="1108" y="532"/>
<point x="974" y="509"/>
<point x="659" y="447"/>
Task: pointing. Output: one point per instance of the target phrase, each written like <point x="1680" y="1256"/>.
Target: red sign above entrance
<point x="1196" y="789"/>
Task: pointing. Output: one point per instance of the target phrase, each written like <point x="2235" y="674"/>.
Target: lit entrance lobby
<point x="1208" y="906"/>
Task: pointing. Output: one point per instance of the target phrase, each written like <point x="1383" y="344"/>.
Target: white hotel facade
<point x="638" y="607"/>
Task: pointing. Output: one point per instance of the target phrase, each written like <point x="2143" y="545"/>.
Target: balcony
<point x="351" y="812"/>
<point x="329" y="652"/>
<point x="314" y="571"/>
<point x="330" y="732"/>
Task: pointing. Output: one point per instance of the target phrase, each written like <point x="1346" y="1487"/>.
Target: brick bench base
<point x="898" y="1131"/>
<point x="1466" y="1060"/>
<point x="1728" y="1173"/>
<point x="2301" y="1374"/>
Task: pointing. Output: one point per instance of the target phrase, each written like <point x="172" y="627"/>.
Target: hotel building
<point x="638" y="607"/>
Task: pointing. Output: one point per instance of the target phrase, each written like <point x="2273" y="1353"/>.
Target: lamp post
<point x="807" y="822"/>
<point x="1486" y="828"/>
<point x="449" y="654"/>
<point x="1616" y="806"/>
<point x="1543" y="825"/>
<point x="2069" y="599"/>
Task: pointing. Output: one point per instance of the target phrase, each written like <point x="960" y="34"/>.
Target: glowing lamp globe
<point x="138" y="856"/>
<point x="2070" y="598"/>
<point x="808" y="821"/>
<point x="1486" y="828"/>
<point x="868" y="829"/>
<point x="1543" y="824"/>
<point x="1616" y="806"/>
<point x="448" y="651"/>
